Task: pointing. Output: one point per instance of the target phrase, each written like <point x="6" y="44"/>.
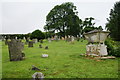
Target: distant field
<point x="64" y="61"/>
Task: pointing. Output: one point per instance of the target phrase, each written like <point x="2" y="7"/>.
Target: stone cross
<point x="15" y="50"/>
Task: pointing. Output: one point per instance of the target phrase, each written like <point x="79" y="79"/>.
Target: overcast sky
<point x="20" y="16"/>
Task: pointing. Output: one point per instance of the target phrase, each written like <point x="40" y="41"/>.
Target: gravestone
<point x="68" y="39"/>
<point x="37" y="76"/>
<point x="35" y="40"/>
<point x="35" y="68"/>
<point x="24" y="38"/>
<point x="96" y="44"/>
<point x="72" y="38"/>
<point x="41" y="41"/>
<point x="15" y="50"/>
<point x="56" y="38"/>
<point x="49" y="39"/>
<point x="30" y="44"/>
<point x="46" y="47"/>
<point x="6" y="42"/>
<point x="27" y="41"/>
<point x="44" y="55"/>
<point x="59" y="38"/>
<point x="16" y="37"/>
<point x="63" y="38"/>
<point x="40" y="46"/>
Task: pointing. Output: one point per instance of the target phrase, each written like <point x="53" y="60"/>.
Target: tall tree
<point x="37" y="34"/>
<point x="63" y="18"/>
<point x="113" y="24"/>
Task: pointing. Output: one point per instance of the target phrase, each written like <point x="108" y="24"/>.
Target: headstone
<point x="52" y="38"/>
<point x="72" y="38"/>
<point x="16" y="37"/>
<point x="56" y="38"/>
<point x="44" y="55"/>
<point x="49" y="40"/>
<point x="35" y="40"/>
<point x="63" y="38"/>
<point x="59" y="38"/>
<point x="46" y="47"/>
<point x="78" y="38"/>
<point x="38" y="76"/>
<point x="35" y="68"/>
<point x="30" y="44"/>
<point x="41" y="41"/>
<point x="6" y="42"/>
<point x="27" y="41"/>
<point x="40" y="46"/>
<point x="15" y="50"/>
<point x="24" y="38"/>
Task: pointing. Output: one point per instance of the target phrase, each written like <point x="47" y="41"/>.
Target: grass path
<point x="64" y="61"/>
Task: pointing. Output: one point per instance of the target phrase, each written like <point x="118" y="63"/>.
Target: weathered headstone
<point x="63" y="38"/>
<point x="16" y="37"/>
<point x="23" y="38"/>
<point x="35" y="68"/>
<point x="6" y="42"/>
<point x="27" y="41"/>
<point x="59" y="38"/>
<point x="38" y="76"/>
<point x="44" y="55"/>
<point x="56" y="38"/>
<point x="30" y="44"/>
<point x="72" y="38"/>
<point x="40" y="46"/>
<point x="41" y="41"/>
<point x="46" y="47"/>
<point x="15" y="50"/>
<point x="35" y="40"/>
<point x="49" y="40"/>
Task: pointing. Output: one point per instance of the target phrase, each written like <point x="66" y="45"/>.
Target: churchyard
<point x="66" y="46"/>
<point x="63" y="61"/>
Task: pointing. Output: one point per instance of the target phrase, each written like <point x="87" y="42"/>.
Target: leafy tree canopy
<point x="37" y="34"/>
<point x="113" y="24"/>
<point x="63" y="18"/>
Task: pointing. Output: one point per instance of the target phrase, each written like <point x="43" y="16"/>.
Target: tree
<point x="37" y="34"/>
<point x="88" y="22"/>
<point x="88" y="25"/>
<point x="113" y="24"/>
<point x="63" y="18"/>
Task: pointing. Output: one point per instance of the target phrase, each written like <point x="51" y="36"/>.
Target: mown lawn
<point x="64" y="61"/>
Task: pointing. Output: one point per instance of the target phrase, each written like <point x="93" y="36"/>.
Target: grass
<point x="64" y="61"/>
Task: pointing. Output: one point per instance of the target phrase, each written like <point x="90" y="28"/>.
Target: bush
<point x="113" y="47"/>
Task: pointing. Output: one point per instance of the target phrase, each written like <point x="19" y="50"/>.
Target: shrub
<point x="112" y="47"/>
